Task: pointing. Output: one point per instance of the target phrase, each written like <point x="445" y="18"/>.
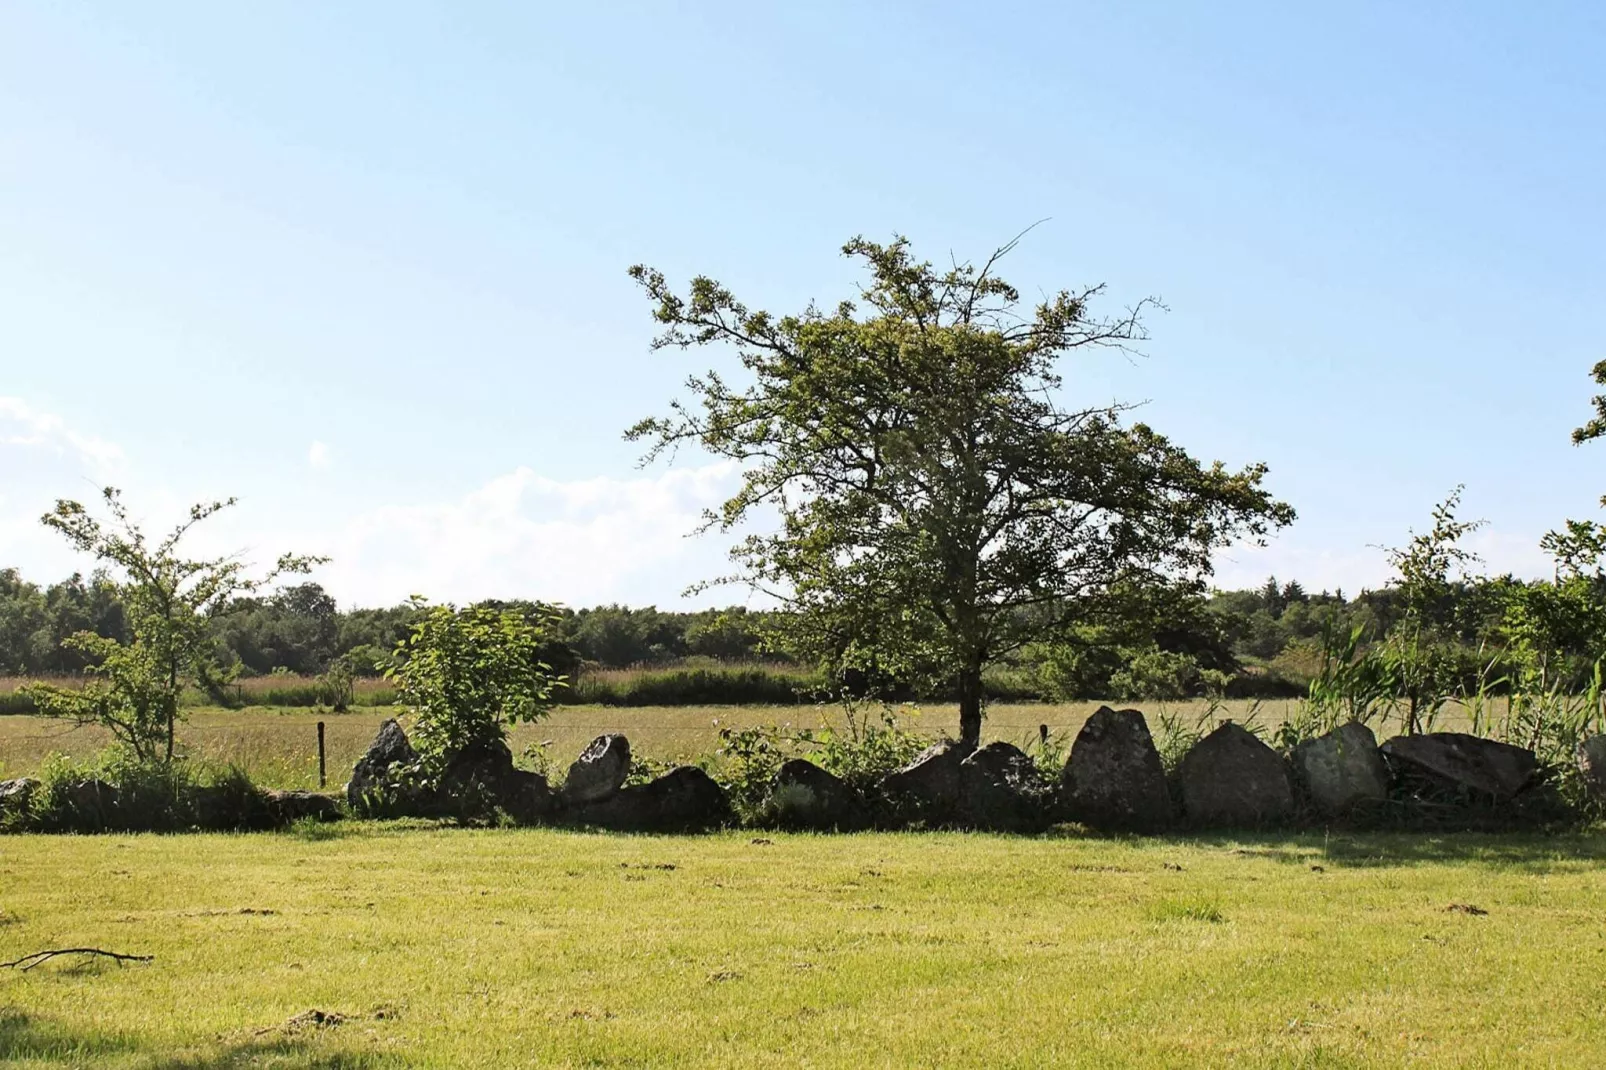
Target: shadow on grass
<point x="24" y="1036"/>
<point x="1531" y="852"/>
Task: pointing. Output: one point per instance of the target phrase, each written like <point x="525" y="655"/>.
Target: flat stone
<point x="1342" y="769"/>
<point x="1458" y="760"/>
<point x="685" y="799"/>
<point x="1231" y="779"/>
<point x="1114" y="778"/>
<point x="288" y="807"/>
<point x="599" y="771"/>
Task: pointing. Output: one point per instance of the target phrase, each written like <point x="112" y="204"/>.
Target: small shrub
<point x="746" y="763"/>
<point x="865" y="749"/>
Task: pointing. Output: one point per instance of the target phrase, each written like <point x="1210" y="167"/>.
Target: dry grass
<point x="278" y="747"/>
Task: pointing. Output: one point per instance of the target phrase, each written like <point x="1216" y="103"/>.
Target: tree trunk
<point x="970" y="704"/>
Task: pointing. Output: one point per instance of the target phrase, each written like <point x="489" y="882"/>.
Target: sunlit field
<point x="448" y="947"/>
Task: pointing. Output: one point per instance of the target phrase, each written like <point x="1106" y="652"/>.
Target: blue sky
<point x="365" y="268"/>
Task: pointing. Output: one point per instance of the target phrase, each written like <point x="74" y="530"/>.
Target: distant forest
<point x="1267" y="641"/>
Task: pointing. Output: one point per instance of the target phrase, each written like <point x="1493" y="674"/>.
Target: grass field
<point x="450" y="947"/>
<point x="278" y="747"/>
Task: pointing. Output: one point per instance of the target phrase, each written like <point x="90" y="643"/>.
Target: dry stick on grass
<point x="28" y="962"/>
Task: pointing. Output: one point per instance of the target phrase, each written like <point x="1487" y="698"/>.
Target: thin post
<point x="321" y="767"/>
<point x="1042" y="735"/>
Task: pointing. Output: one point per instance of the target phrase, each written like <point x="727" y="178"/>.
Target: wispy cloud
<point x="24" y="426"/>
<point x="524" y="534"/>
<point x="318" y="455"/>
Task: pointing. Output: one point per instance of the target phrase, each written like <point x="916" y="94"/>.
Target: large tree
<point x="939" y="503"/>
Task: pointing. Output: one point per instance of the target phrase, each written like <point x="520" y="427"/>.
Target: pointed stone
<point x="1114" y="778"/>
<point x="1231" y="779"/>
<point x="1342" y="769"/>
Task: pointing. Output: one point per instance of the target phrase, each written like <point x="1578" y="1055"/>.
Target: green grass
<point x="496" y="948"/>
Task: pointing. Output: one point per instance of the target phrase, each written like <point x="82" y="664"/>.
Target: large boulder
<point x="929" y="788"/>
<point x="806" y="796"/>
<point x="371" y="776"/>
<point x="1230" y="778"/>
<point x="1114" y="778"/>
<point x="1342" y="769"/>
<point x="1002" y="790"/>
<point x="1459" y="762"/>
<point x="685" y="799"/>
<point x="1591" y="764"/>
<point x="233" y="804"/>
<point x="288" y="807"/>
<point x="92" y="803"/>
<point x="16" y="794"/>
<point x="598" y="772"/>
<point x="481" y="779"/>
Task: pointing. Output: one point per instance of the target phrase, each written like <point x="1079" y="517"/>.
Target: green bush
<point x="724" y="686"/>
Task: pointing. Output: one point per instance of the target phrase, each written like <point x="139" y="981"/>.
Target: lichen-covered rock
<point x="1462" y="762"/>
<point x="685" y="799"/>
<point x="1231" y="779"/>
<point x="371" y="775"/>
<point x="1342" y="769"/>
<point x="806" y="796"/>
<point x="1114" y="778"/>
<point x="928" y="789"/>
<point x="598" y="772"/>
<point x="1591" y="765"/>
<point x="1001" y="790"/>
<point x="15" y="794"/>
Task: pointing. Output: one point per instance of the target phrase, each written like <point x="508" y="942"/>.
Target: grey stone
<point x="93" y="803"/>
<point x="685" y="799"/>
<point x="1471" y="763"/>
<point x="1591" y="764"/>
<point x="806" y="796"/>
<point x="1114" y="778"/>
<point x="229" y="805"/>
<point x="288" y="807"/>
<point x="1342" y="769"/>
<point x="1230" y="778"/>
<point x="482" y="778"/>
<point x="390" y="748"/>
<point x="15" y="794"/>
<point x="929" y="788"/>
<point x="1002" y="790"/>
<point x="598" y="772"/>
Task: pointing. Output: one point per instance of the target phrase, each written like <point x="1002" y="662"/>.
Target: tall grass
<point x="274" y="690"/>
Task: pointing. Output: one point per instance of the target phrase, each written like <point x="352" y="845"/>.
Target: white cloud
<point x="25" y="427"/>
<point x="1351" y="570"/>
<point x="525" y="535"/>
<point x="318" y="455"/>
<point x="43" y="458"/>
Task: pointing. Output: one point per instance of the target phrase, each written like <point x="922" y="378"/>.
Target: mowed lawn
<point x="452" y="947"/>
<point x="279" y="747"/>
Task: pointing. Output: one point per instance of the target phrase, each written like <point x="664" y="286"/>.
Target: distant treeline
<point x="1262" y="642"/>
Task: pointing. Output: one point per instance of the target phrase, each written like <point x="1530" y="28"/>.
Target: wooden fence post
<point x="321" y="767"/>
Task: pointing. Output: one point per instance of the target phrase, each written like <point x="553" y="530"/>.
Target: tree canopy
<point x="939" y="503"/>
